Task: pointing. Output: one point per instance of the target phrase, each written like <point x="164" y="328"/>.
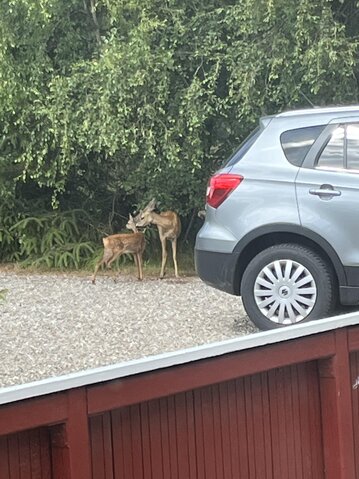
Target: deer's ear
<point x="148" y="207"/>
<point x="152" y="204"/>
<point x="137" y="218"/>
<point x="130" y="216"/>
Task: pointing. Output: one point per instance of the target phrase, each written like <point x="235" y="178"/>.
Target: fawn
<point x="123" y="243"/>
<point x="169" y="228"/>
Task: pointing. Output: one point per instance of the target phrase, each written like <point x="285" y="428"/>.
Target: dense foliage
<point x="105" y="104"/>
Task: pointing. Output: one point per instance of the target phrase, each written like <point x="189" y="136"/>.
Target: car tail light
<point x="220" y="187"/>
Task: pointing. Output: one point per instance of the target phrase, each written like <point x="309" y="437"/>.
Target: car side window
<point x="296" y="143"/>
<point x="342" y="149"/>
<point x="332" y="155"/>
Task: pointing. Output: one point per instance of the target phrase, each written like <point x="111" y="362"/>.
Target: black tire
<point x="324" y="285"/>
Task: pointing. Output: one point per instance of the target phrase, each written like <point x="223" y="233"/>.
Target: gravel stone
<point x="56" y="324"/>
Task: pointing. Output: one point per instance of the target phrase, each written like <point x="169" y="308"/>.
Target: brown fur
<point x="169" y="228"/>
<point x="124" y="243"/>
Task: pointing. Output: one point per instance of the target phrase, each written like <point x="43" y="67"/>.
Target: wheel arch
<point x="264" y="237"/>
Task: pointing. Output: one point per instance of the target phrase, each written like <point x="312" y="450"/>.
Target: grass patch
<point x="124" y="265"/>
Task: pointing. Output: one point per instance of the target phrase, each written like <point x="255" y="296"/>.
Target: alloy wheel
<point x="285" y="291"/>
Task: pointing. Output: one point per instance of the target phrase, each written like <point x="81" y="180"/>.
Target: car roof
<point x="332" y="110"/>
<point x="310" y="117"/>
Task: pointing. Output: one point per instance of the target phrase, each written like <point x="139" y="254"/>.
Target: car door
<point x="327" y="188"/>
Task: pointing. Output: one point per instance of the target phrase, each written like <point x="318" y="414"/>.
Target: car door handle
<point x="325" y="192"/>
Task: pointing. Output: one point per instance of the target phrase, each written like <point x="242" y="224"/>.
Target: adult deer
<point x="123" y="243"/>
<point x="169" y="228"/>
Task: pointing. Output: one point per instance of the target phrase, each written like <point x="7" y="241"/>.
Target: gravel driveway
<point x="56" y="324"/>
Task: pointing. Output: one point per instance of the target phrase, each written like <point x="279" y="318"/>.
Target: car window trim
<point x="318" y="146"/>
<point x="313" y="155"/>
<point x="325" y="144"/>
<point x="345" y="143"/>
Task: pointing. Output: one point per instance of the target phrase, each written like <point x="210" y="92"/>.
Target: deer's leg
<point x="106" y="258"/>
<point x="101" y="262"/>
<point x="136" y="258"/>
<point x="164" y="257"/>
<point x="114" y="257"/>
<point x="140" y="266"/>
<point x="174" y="254"/>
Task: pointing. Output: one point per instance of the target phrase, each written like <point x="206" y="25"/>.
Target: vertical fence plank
<point x="118" y="463"/>
<point x="199" y="434"/>
<point x="218" y="432"/>
<point x="155" y="438"/>
<point x="337" y="412"/>
<point x="181" y="435"/>
<point x="78" y="436"/>
<point x="191" y="436"/>
<point x="136" y="437"/>
<point x="14" y="456"/>
<point x="295" y="391"/>
<point x="226" y="432"/>
<point x="97" y="447"/>
<point x="59" y="452"/>
<point x="165" y="441"/>
<point x="129" y="455"/>
<point x="248" y="404"/>
<point x="172" y="437"/>
<point x="258" y="420"/>
<point x="208" y="433"/>
<point x="266" y="427"/>
<point x="355" y="395"/>
<point x="146" y="441"/>
<point x="315" y="419"/>
<point x="35" y="455"/>
<point x="240" y="437"/>
<point x="4" y="459"/>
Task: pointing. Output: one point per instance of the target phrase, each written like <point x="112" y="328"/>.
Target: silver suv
<point x="282" y="218"/>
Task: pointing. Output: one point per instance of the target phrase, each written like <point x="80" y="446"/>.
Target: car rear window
<point x="243" y="147"/>
<point x="296" y="143"/>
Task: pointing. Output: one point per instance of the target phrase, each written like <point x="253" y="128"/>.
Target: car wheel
<point x="287" y="284"/>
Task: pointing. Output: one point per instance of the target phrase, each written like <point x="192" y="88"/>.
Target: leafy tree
<point x="105" y="104"/>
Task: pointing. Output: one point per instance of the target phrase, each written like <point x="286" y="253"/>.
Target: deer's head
<point x="144" y="217"/>
<point x="131" y="224"/>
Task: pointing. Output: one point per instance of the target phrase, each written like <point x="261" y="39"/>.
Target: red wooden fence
<point x="275" y="411"/>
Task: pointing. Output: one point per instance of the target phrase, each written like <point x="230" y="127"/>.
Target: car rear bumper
<point x="217" y="269"/>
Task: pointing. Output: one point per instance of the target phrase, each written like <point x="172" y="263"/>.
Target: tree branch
<point x="92" y="10"/>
